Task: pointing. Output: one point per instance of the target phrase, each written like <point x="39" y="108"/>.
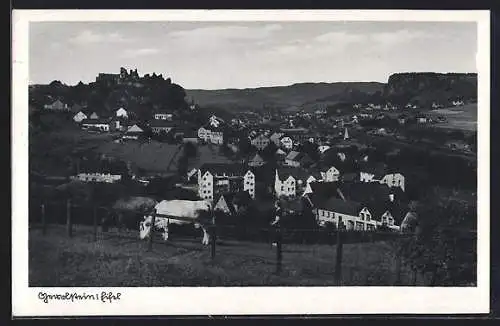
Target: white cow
<point x="197" y="212"/>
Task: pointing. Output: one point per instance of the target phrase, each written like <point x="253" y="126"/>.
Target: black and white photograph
<point x="219" y="152"/>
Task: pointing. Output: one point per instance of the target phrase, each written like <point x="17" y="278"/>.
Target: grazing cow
<point x="128" y="212"/>
<point x="196" y="212"/>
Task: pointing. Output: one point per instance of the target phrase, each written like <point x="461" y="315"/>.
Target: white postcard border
<point x="243" y="300"/>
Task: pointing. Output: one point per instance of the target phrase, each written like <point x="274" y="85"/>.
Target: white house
<point x="163" y="116"/>
<point x="331" y="175"/>
<point x="97" y="177"/>
<point x="79" y="117"/>
<point x="121" y="113"/>
<point x="394" y="180"/>
<point x="96" y="124"/>
<point x="133" y="132"/>
<point x="220" y="178"/>
<point x="290" y="182"/>
<point x="352" y="215"/>
<point x="286" y="142"/>
<point x="211" y="134"/>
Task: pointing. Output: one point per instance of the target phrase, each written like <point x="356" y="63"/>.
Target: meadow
<point x="461" y="117"/>
<point x="120" y="259"/>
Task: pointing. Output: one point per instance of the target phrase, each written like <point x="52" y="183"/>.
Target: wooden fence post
<point x="69" y="222"/>
<point x="338" y="257"/>
<point x="44" y="222"/>
<point x="213" y="241"/>
<point x="95" y="223"/>
<point x="279" y="252"/>
<point x="151" y="231"/>
<point x="398" y="267"/>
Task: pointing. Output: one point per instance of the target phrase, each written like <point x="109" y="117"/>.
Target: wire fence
<point x="404" y="268"/>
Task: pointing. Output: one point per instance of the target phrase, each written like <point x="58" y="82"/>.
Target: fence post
<point x="151" y="231"/>
<point x="69" y="223"/>
<point x="338" y="257"/>
<point x="398" y="267"/>
<point x="95" y="223"/>
<point x="213" y="241"/>
<point x="279" y="252"/>
<point x="44" y="222"/>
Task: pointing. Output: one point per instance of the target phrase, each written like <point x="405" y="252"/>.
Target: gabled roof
<point x="293" y="155"/>
<point x="257" y="158"/>
<point x="228" y="168"/>
<point x="134" y="129"/>
<point x="296" y="173"/>
<point x="279" y="151"/>
<point x="297" y="156"/>
<point x="96" y="121"/>
<point x="339" y="206"/>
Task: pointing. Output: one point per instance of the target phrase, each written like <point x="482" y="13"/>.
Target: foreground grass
<point x="122" y="260"/>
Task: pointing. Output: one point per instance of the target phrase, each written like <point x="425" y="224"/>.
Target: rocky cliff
<point x="426" y="88"/>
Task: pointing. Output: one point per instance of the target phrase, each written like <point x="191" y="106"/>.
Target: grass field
<point x="461" y="117"/>
<point x="153" y="156"/>
<point x="122" y="260"/>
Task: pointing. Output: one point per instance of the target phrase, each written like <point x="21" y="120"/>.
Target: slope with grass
<point x="120" y="260"/>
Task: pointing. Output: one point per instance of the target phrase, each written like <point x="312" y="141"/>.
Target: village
<point x="308" y="161"/>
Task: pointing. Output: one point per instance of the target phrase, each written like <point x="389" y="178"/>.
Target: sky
<point x="216" y="55"/>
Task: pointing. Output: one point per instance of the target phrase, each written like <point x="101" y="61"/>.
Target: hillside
<point x="309" y="95"/>
<point x="426" y="88"/>
<point x="143" y="94"/>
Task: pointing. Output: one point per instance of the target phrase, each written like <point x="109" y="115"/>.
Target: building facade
<point x="215" y="179"/>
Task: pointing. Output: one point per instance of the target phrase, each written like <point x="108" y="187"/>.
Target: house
<point x="275" y="138"/>
<point x="161" y="127"/>
<point x="163" y="115"/>
<point x="211" y="134"/>
<point x="286" y="142"/>
<point x="219" y="178"/>
<point x="97" y="177"/>
<point x="394" y="180"/>
<point x="94" y="115"/>
<point x="372" y="172"/>
<point x="344" y="214"/>
<point x="330" y="175"/>
<point x="134" y="132"/>
<point x="378" y="173"/>
<point x="57" y="105"/>
<point x="79" y="117"/>
<point x="402" y="119"/>
<point x="298" y="159"/>
<point x="256" y="161"/>
<point x="260" y="141"/>
<point x="232" y="203"/>
<point x="96" y="124"/>
<point x="421" y="119"/>
<point x="289" y="182"/>
<point x="121" y="113"/>
<point x="323" y="148"/>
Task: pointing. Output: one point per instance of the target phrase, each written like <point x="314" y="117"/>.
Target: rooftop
<point x="227" y="168"/>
